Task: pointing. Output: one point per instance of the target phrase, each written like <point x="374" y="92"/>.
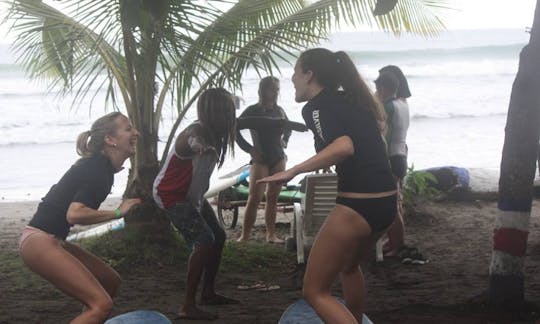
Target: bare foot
<point x="274" y="239"/>
<point x="241" y="239"/>
<point x="195" y="314"/>
<point x="217" y="299"/>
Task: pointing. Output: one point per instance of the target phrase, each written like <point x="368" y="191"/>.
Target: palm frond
<point x="234" y="43"/>
<point x="65" y="51"/>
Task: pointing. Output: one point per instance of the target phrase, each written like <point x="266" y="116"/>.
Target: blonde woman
<point x="75" y="199"/>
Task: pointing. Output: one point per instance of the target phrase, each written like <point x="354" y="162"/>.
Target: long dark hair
<point x="336" y="71"/>
<point x="403" y="89"/>
<point x="217" y="116"/>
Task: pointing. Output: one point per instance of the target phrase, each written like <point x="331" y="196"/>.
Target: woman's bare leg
<point x="47" y="257"/>
<point x="256" y="191"/>
<point x="338" y="241"/>
<point x="107" y="276"/>
<point x="270" y="211"/>
<point x="396" y="232"/>
<point x="352" y="278"/>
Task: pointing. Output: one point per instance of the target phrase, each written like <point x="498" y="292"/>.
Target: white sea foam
<point x="461" y="85"/>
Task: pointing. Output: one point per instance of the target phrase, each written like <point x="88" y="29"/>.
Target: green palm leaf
<point x="123" y="47"/>
<point x="236" y="42"/>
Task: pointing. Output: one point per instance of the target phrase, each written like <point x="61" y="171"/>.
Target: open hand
<point x="127" y="204"/>
<point x="280" y="177"/>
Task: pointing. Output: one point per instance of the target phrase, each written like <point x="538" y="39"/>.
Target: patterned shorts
<point x="197" y="227"/>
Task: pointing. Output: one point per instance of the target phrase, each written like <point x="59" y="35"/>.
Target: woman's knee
<point x="101" y="308"/>
<point x="272" y="192"/>
<point x="313" y="293"/>
<point x="256" y="192"/>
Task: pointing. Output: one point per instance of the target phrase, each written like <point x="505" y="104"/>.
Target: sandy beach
<point x="454" y="235"/>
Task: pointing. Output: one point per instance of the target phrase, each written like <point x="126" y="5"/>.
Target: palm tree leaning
<point x="148" y="53"/>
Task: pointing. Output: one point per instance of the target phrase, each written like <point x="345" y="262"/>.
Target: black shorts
<point x="398" y="163"/>
<point x="379" y="213"/>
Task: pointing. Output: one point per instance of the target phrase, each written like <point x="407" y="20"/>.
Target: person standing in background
<point x="75" y="199"/>
<point x="267" y="157"/>
<point x="393" y="90"/>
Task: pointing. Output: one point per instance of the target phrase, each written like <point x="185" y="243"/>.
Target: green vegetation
<point x="148" y="54"/>
<point x="130" y="248"/>
<point x="18" y="275"/>
<point x="418" y="184"/>
<point x="240" y="257"/>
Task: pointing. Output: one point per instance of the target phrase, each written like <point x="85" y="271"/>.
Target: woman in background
<point x="267" y="157"/>
<point x="398" y="118"/>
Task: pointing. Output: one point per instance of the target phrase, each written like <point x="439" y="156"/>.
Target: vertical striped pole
<point x="509" y="247"/>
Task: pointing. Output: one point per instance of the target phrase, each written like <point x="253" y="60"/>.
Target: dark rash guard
<point x="88" y="181"/>
<point x="329" y="115"/>
<point x="268" y="142"/>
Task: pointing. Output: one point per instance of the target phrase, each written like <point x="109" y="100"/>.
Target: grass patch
<point x="17" y="274"/>
<point x="131" y="247"/>
<point x="254" y="257"/>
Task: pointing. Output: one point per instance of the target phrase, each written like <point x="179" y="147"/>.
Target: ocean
<point x="460" y="82"/>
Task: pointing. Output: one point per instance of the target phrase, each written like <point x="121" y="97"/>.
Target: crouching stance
<point x="75" y="199"/>
<point x="179" y="189"/>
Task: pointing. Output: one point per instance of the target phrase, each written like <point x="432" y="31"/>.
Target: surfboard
<point x="98" y="230"/>
<point x="285" y="195"/>
<point x="260" y="122"/>
<point x="139" y="317"/>
<point x="228" y="180"/>
<point x="302" y="312"/>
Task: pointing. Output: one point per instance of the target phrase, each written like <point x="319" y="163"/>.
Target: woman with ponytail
<point x="179" y="189"/>
<point x="75" y="199"/>
<point x="348" y="126"/>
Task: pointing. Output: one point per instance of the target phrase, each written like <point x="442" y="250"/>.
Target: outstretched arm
<point x="341" y="148"/>
<point x="79" y="213"/>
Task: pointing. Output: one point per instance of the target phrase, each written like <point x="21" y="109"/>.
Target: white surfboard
<point x="228" y="180"/>
<point x="301" y="312"/>
<point x="98" y="230"/>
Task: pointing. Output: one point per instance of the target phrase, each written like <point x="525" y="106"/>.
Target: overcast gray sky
<point x="469" y="14"/>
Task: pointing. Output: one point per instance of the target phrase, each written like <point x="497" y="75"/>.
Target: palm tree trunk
<point x="518" y="166"/>
<point x="141" y="55"/>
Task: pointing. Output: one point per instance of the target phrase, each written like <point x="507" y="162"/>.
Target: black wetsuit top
<point x="88" y="181"/>
<point x="329" y="115"/>
<point x="267" y="141"/>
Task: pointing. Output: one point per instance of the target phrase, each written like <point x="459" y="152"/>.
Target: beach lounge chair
<point x="319" y="199"/>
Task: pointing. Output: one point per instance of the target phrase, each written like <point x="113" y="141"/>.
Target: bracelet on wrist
<point x="117" y="213"/>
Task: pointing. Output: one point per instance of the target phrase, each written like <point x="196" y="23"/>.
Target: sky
<point x="468" y="14"/>
<point x="479" y="14"/>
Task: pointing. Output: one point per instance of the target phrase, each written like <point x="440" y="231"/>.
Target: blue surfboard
<point x="140" y="317"/>
<point x="301" y="312"/>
